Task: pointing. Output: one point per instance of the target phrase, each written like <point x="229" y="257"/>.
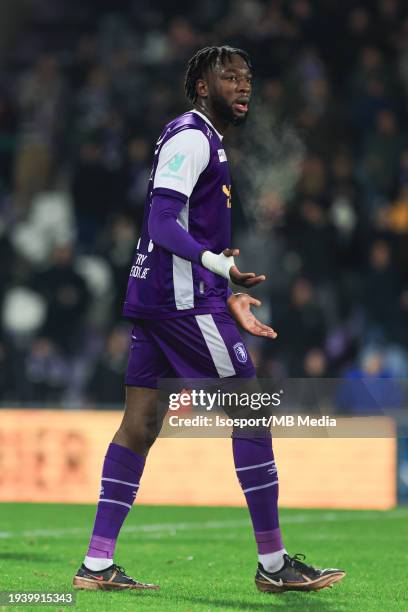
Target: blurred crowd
<point x="85" y="89"/>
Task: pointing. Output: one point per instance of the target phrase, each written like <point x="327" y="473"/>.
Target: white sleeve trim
<point x="181" y="161"/>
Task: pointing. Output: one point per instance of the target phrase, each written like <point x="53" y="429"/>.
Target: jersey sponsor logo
<point x="209" y="132"/>
<point x="173" y="168"/>
<point x="226" y="189"/>
<point x="176" y="162"/>
<point x="240" y="352"/>
<point x="222" y="156"/>
<point x="138" y="270"/>
<point x="171" y="175"/>
<point x="140" y="259"/>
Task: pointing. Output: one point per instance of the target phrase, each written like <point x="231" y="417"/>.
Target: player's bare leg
<point x="122" y="470"/>
<point x="141" y="422"/>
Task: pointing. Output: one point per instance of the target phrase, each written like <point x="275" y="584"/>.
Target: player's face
<point x="229" y="90"/>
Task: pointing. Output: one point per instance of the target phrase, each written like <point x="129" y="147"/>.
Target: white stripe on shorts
<point x="216" y="345"/>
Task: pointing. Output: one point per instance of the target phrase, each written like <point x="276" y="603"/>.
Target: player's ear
<point x="201" y="88"/>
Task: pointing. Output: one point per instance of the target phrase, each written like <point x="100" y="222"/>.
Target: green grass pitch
<point x="205" y="558"/>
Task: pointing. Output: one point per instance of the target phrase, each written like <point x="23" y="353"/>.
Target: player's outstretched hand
<point x="240" y="307"/>
<point x="243" y="279"/>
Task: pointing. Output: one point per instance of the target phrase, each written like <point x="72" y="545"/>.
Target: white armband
<point x="219" y="264"/>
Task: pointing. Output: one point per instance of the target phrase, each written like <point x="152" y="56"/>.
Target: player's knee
<point x="139" y="436"/>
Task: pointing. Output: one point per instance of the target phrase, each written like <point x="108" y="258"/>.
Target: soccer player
<point x="185" y="322"/>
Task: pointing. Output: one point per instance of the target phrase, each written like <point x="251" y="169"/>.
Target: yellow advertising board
<point x="56" y="456"/>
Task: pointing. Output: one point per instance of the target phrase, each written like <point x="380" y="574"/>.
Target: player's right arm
<point x="181" y="161"/>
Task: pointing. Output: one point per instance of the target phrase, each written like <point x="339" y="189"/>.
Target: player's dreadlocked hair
<point x="203" y="60"/>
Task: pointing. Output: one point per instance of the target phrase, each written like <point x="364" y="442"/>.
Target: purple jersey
<point x="161" y="284"/>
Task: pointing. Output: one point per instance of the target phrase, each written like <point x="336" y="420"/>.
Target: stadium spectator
<point x="117" y="246"/>
<point x="46" y="372"/>
<point x="40" y="99"/>
<point x="315" y="364"/>
<point x="301" y="324"/>
<point x="314" y="238"/>
<point x="382" y="152"/>
<point x="105" y="386"/>
<point x="92" y="212"/>
<point x="8" y="140"/>
<point x="67" y="297"/>
<point x="381" y="290"/>
<point x="368" y="386"/>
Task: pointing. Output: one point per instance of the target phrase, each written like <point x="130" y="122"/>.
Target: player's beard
<point x="225" y="112"/>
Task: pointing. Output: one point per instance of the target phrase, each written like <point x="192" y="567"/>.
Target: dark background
<point x="85" y="89"/>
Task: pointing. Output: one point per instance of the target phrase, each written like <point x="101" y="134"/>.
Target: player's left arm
<point x="239" y="305"/>
<point x="180" y="163"/>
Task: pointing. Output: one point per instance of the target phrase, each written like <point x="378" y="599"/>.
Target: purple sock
<point x="121" y="473"/>
<point x="257" y="475"/>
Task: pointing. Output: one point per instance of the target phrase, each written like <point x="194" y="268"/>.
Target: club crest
<point x="240" y="352"/>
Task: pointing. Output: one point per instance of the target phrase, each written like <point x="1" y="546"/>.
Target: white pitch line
<point x="325" y="517"/>
<point x="149" y="528"/>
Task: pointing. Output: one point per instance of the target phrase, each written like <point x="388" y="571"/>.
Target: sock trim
<point x="251" y="467"/>
<point x="269" y="542"/>
<point x="131" y="484"/>
<point x="265" y="486"/>
<point x="114" y="501"/>
<point x="124" y="455"/>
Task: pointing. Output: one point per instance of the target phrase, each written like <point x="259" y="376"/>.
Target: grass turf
<point x="204" y="558"/>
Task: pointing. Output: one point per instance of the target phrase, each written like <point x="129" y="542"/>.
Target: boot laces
<point x="122" y="571"/>
<point x="297" y="562"/>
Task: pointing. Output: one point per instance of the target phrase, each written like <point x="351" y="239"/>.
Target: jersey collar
<point x="206" y="119"/>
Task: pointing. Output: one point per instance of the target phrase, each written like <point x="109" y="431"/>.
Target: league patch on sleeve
<point x="173" y="167"/>
<point x="176" y="162"/>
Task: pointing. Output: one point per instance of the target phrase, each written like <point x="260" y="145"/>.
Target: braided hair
<point x="205" y="59"/>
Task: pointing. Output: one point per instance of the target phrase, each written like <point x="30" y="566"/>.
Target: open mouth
<point x="241" y="105"/>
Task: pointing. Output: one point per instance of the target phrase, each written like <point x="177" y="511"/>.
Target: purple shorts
<point x="191" y="346"/>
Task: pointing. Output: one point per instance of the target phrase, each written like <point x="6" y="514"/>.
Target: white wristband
<point x="219" y="264"/>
